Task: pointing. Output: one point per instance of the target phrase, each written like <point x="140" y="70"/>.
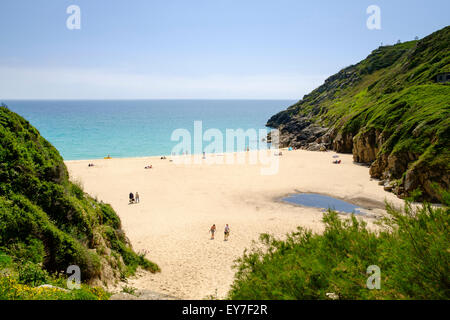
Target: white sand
<point x="179" y="203"/>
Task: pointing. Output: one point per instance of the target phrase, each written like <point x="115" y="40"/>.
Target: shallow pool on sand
<point x="320" y="201"/>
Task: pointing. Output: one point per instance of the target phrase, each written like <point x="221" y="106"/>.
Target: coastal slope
<point x="391" y="111"/>
<point x="48" y="223"/>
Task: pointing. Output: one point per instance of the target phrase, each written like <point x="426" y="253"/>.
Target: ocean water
<point x="323" y="202"/>
<point x="135" y="128"/>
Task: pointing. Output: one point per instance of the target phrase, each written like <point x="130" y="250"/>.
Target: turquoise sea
<point x="82" y="129"/>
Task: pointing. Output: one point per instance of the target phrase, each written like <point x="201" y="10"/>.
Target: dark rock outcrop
<point x="366" y="146"/>
<point x="301" y="132"/>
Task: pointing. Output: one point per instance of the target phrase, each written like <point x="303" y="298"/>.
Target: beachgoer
<point x="131" y="197"/>
<point x="212" y="230"/>
<point x="137" y="197"/>
<point x="226" y="233"/>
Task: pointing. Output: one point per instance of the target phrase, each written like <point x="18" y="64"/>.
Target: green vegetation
<point x="48" y="223"/>
<point x="129" y="290"/>
<point x="411" y="249"/>
<point x="391" y="104"/>
<point x="23" y="281"/>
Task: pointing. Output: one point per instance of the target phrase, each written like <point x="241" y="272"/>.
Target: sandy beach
<point x="180" y="202"/>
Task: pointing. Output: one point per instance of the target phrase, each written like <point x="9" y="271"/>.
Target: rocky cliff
<point x="388" y="111"/>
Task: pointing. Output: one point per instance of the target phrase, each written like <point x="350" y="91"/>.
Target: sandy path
<point x="179" y="203"/>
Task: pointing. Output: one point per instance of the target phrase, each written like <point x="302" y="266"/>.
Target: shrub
<point x="411" y="249"/>
<point x="32" y="274"/>
<point x="11" y="289"/>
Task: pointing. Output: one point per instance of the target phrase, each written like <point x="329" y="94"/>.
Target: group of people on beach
<point x="336" y="161"/>
<point x="226" y="232"/>
<point x="134" y="198"/>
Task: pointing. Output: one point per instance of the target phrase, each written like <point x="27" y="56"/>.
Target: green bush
<point x="411" y="249"/>
<point x="31" y="249"/>
<point x="5" y="260"/>
<point x="32" y="274"/>
<point x="11" y="289"/>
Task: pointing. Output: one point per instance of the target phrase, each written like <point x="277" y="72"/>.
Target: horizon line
<point x="137" y="99"/>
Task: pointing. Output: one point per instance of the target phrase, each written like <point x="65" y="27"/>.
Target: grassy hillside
<point x="47" y="222"/>
<point x="388" y="111"/>
<point x="411" y="251"/>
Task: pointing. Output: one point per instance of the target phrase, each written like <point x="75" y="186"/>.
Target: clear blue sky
<point x="194" y="49"/>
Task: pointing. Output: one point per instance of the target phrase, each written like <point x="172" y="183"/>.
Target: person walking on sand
<point x="137" y="197"/>
<point x="226" y="233"/>
<point x="212" y="230"/>
<point x="131" y="197"/>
